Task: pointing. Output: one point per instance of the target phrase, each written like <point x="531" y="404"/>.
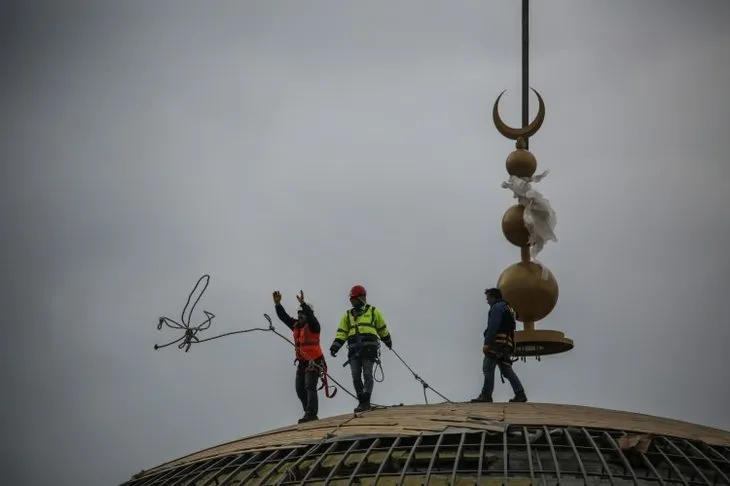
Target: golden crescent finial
<point x="515" y="133"/>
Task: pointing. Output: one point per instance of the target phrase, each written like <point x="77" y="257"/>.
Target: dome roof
<point x="412" y="420"/>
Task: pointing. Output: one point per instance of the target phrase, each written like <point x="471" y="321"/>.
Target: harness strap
<point x="322" y="369"/>
<point x="375" y="360"/>
<point x="501" y="361"/>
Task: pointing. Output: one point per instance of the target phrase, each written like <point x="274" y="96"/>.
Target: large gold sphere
<point x="521" y="163"/>
<point x="513" y="226"/>
<point x="531" y="297"/>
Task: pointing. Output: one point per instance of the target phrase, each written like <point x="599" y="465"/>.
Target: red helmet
<point x="358" y="291"/>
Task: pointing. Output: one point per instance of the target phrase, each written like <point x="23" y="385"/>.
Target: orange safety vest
<point x="306" y="343"/>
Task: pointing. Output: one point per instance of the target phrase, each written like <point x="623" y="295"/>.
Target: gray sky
<point x="315" y="145"/>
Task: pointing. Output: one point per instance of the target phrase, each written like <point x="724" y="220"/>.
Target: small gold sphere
<point x="513" y="226"/>
<point x="531" y="297"/>
<point x="521" y="163"/>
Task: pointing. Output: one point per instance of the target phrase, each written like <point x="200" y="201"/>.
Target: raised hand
<point x="300" y="297"/>
<point x="277" y="297"/>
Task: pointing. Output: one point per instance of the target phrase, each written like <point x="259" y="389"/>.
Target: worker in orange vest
<point x="309" y="357"/>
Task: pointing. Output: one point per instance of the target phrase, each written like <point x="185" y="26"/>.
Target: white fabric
<point x="539" y="216"/>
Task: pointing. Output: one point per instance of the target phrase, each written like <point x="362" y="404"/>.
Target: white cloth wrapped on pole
<point x="539" y="217"/>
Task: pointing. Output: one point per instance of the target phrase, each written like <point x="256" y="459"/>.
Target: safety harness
<point x="507" y="340"/>
<point x="358" y="345"/>
<point x="322" y="370"/>
<point x="356" y="341"/>
<point x="306" y="345"/>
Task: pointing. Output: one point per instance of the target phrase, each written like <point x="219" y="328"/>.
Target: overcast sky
<point x="316" y="145"/>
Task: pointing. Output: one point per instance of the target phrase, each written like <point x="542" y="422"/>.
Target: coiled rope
<point x="190" y="337"/>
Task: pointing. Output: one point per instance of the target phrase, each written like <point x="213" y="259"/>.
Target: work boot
<point x="520" y="397"/>
<point x="308" y="417"/>
<point x="481" y="399"/>
<point x="359" y="407"/>
<point x="364" y="403"/>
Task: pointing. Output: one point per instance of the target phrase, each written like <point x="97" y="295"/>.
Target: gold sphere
<point x="513" y="226"/>
<point x="521" y="163"/>
<point x="531" y="297"/>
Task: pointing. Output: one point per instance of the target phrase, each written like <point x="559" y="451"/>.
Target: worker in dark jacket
<point x="309" y="356"/>
<point x="499" y="347"/>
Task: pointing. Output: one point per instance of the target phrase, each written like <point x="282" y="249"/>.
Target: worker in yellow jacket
<point x="362" y="327"/>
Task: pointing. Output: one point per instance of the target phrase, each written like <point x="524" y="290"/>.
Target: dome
<point x="464" y="443"/>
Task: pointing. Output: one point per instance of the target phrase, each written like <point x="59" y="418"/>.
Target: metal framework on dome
<point x="515" y="455"/>
<point x="528" y="285"/>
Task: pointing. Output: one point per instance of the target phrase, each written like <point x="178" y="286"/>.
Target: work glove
<point x="277" y="297"/>
<point x="300" y="297"/>
<point x="388" y="342"/>
<point x="485" y="350"/>
<point x="334" y="349"/>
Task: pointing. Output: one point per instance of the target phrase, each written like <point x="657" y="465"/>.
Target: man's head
<point x="358" y="296"/>
<point x="301" y="315"/>
<point x="493" y="295"/>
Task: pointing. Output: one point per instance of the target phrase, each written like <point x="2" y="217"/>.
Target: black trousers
<point x="307" y="378"/>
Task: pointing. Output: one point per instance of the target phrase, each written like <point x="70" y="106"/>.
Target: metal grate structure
<point x="538" y="455"/>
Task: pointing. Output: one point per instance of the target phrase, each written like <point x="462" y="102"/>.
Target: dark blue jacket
<point x="497" y="315"/>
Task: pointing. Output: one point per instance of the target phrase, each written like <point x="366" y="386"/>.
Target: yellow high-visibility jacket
<point x="370" y="325"/>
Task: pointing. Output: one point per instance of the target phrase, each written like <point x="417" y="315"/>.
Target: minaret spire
<point x="528" y="285"/>
<point x="526" y="66"/>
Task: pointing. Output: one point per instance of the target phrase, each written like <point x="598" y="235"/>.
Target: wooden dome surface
<point x="415" y="419"/>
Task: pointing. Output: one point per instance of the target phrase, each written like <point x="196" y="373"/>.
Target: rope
<point x="420" y="380"/>
<point x="190" y="334"/>
<point x="190" y="337"/>
<point x="377" y="365"/>
<point x="322" y="369"/>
